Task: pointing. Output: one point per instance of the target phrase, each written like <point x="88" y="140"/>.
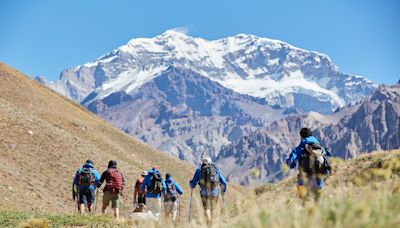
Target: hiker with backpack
<point x="154" y="186"/>
<point x="170" y="198"/>
<point x="114" y="185"/>
<point x="210" y="179"/>
<point x="138" y="195"/>
<point x="84" y="185"/>
<point x="313" y="163"/>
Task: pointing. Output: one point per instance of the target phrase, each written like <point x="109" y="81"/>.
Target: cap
<point x="206" y="159"/>
<point x="144" y="173"/>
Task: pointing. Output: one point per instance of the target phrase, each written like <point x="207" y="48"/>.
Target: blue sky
<point x="44" y="37"/>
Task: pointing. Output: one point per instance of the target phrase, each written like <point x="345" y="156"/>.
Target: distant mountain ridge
<point x="274" y="70"/>
<point x="371" y="124"/>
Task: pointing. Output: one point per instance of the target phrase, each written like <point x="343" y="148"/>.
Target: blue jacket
<point x="95" y="173"/>
<point x="204" y="192"/>
<point x="296" y="152"/>
<point x="147" y="184"/>
<point x="177" y="187"/>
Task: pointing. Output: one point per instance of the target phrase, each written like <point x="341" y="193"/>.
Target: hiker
<point x="114" y="185"/>
<point x="154" y="186"/>
<point x="170" y="198"/>
<point x="210" y="179"/>
<point x="313" y="164"/>
<point x="138" y="195"/>
<point x="84" y="185"/>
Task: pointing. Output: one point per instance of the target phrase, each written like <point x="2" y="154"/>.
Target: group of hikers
<point x="151" y="187"/>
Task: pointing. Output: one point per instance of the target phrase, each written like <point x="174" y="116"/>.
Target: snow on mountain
<point x="281" y="73"/>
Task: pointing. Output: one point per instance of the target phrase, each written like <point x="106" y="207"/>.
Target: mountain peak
<point x="175" y="32"/>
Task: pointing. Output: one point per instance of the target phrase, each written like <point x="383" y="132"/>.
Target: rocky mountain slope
<point x="183" y="113"/>
<point x="44" y="138"/>
<point x="371" y="124"/>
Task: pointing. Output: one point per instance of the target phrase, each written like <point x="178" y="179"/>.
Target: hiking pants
<point x="154" y="205"/>
<point x="313" y="180"/>
<point x="171" y="207"/>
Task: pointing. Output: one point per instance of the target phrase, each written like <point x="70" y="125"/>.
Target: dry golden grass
<point x="364" y="192"/>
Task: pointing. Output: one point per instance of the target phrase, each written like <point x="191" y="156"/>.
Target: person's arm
<point x="103" y="177"/>
<point x="178" y="188"/>
<point x="144" y="185"/>
<point x="96" y="177"/>
<point x="135" y="192"/>
<point x="222" y="181"/>
<point x="164" y="187"/>
<point x="195" y="179"/>
<point x="123" y="181"/>
<point x="294" y="155"/>
<point x="75" y="185"/>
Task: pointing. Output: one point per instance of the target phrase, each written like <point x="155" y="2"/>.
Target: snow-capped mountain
<point x="274" y="70"/>
<point x="226" y="98"/>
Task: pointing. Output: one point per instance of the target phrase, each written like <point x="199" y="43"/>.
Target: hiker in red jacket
<point x="114" y="185"/>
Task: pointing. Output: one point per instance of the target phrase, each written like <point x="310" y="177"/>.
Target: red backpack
<point x="114" y="181"/>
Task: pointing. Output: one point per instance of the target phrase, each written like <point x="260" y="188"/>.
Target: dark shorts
<point x="141" y="199"/>
<point x="209" y="202"/>
<point x="86" y="196"/>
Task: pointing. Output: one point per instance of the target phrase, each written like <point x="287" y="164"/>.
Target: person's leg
<point x="301" y="188"/>
<point x="213" y="205"/>
<point x="150" y="205"/>
<point x="166" y="210"/>
<point x="157" y="208"/>
<point x="115" y="205"/>
<point x="174" y="210"/>
<point x="106" y="201"/>
<point x="82" y="201"/>
<point x="90" y="199"/>
<point x="207" y="208"/>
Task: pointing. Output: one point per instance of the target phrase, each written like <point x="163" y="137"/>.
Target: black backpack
<point x="156" y="184"/>
<point x="209" y="176"/>
<point x="86" y="178"/>
<point x="171" y="192"/>
<point x="314" y="160"/>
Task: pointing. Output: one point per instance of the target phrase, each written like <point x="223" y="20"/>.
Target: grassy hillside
<point x="364" y="192"/>
<point x="44" y="138"/>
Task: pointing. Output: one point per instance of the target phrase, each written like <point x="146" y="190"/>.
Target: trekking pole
<point x="226" y="210"/>
<point x="190" y="205"/>
<point x="179" y="211"/>
<point x="95" y="202"/>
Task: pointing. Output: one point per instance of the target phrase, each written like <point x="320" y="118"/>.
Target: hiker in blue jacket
<point x="307" y="172"/>
<point x="171" y="197"/>
<point x="154" y="186"/>
<point x="84" y="185"/>
<point x="210" y="179"/>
